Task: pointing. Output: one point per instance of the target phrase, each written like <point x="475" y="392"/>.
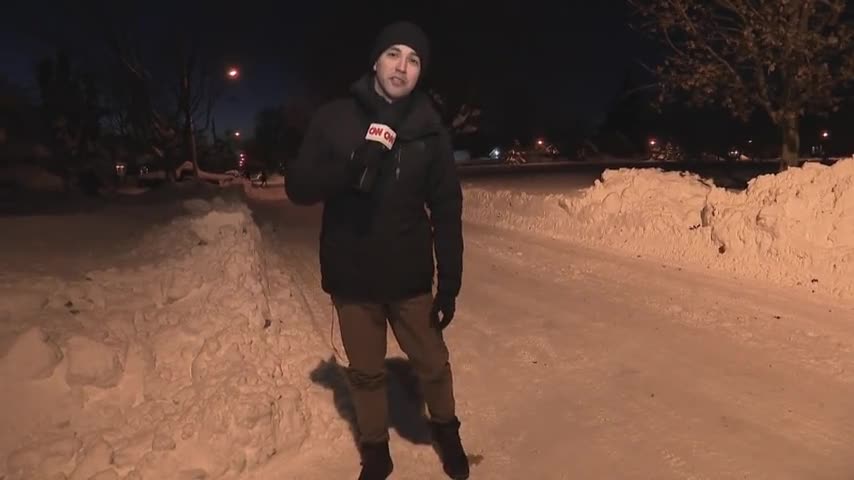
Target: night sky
<point x="545" y="64"/>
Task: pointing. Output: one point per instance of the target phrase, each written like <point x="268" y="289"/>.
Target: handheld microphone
<point x="383" y="135"/>
<point x="378" y="132"/>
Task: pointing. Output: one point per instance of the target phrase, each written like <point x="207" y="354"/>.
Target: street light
<point x="825" y="134"/>
<point x="233" y="73"/>
<point x="237" y="133"/>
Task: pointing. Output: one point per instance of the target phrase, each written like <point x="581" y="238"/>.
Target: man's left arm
<point x="445" y="201"/>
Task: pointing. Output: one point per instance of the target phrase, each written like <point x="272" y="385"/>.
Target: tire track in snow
<point x="708" y="382"/>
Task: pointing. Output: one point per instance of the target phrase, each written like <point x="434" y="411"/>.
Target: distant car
<point x="540" y="151"/>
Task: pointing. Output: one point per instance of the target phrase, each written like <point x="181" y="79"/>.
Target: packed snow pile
<point x="31" y="177"/>
<point x="794" y="228"/>
<point x="169" y="367"/>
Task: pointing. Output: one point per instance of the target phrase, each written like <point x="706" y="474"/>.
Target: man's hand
<point x="367" y="155"/>
<point x="365" y="163"/>
<point x="445" y="305"/>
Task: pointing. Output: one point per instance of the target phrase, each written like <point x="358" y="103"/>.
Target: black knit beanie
<point x="402" y="33"/>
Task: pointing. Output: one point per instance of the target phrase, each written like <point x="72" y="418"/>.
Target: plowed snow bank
<point x="166" y="370"/>
<point x="793" y="228"/>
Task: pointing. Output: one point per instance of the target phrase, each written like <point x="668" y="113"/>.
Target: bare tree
<point x="788" y="57"/>
<point x="459" y="117"/>
<point x="71" y="103"/>
<point x="190" y="95"/>
<point x="166" y="95"/>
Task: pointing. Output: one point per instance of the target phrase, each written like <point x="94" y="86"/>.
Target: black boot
<point x="376" y="461"/>
<point x="447" y="438"/>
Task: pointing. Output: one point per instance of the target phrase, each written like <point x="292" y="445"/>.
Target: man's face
<point x="397" y="71"/>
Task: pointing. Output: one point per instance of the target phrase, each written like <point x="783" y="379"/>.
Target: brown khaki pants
<point x="363" y="333"/>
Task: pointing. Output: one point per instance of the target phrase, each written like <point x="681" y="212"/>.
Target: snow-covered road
<point x="574" y="363"/>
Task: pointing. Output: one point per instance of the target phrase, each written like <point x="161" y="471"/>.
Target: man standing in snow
<point x="375" y="159"/>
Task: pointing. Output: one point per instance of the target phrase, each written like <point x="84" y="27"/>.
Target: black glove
<point x="365" y="162"/>
<point x="447" y="306"/>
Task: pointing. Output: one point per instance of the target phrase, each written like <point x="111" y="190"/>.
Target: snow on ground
<point x="573" y="362"/>
<point x="31" y="177"/>
<point x="794" y="229"/>
<point x="170" y="364"/>
<point x="136" y="343"/>
<point x="274" y="190"/>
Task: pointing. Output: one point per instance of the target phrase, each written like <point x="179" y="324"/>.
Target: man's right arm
<point x="315" y="174"/>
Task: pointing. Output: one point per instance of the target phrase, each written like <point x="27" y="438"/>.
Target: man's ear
<point x="375" y="66"/>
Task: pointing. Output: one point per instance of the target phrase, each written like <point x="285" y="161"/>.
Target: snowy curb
<point x="173" y="369"/>
<point x="792" y="229"/>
